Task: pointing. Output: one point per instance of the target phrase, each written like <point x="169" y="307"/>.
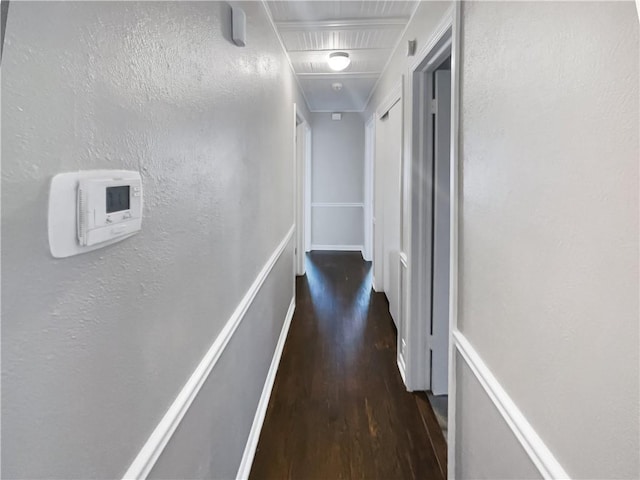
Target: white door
<point x="300" y="198"/>
<point x="392" y="209"/>
<point x="380" y="156"/>
<point x="369" y="149"/>
<point x="440" y="300"/>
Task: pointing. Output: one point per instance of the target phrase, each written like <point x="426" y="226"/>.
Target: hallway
<point x="339" y="408"/>
<point x="238" y="236"/>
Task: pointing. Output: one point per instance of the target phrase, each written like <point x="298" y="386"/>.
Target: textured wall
<point x="549" y="223"/>
<point x="477" y="420"/>
<point x="337" y="176"/>
<point x="95" y="347"/>
<point x="211" y="438"/>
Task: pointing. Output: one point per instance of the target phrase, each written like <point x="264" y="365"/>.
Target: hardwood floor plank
<point x="438" y="442"/>
<point x="338" y="408"/>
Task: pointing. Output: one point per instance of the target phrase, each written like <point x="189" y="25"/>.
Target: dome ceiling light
<point x="338" y="61"/>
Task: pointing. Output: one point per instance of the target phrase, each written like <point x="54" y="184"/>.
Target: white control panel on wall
<point x="92" y="209"/>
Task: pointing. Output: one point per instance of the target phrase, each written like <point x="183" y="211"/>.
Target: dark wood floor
<point x="338" y="408"/>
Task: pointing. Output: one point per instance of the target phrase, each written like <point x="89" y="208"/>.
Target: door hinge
<point x="433" y="105"/>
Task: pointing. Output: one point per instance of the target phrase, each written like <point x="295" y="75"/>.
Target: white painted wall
<point x="96" y="347"/>
<point x="549" y="231"/>
<point x="482" y="433"/>
<point x="337" y="181"/>
<point x="301" y="105"/>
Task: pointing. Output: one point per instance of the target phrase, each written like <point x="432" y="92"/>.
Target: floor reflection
<point x="339" y="287"/>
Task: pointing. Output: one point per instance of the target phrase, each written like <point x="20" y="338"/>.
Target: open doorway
<point x="439" y="328"/>
<point x="302" y="162"/>
<point x="431" y="224"/>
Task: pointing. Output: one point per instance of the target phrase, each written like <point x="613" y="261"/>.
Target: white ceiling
<point x="367" y="29"/>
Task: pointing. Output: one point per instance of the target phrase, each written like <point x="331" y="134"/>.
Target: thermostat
<point x="92" y="209"/>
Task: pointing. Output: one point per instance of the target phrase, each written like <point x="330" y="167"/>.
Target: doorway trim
<point x="454" y="226"/>
<point x="369" y="176"/>
<point x="443" y="43"/>
<point x="302" y="184"/>
<point x="420" y="232"/>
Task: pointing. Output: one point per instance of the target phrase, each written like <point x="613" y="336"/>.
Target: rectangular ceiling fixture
<point x="336" y="116"/>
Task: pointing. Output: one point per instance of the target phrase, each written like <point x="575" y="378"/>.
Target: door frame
<point x="454" y="226"/>
<point x="420" y="219"/>
<point x="302" y="191"/>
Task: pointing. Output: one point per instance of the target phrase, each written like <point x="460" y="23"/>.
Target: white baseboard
<point x="157" y="441"/>
<point x="261" y="411"/>
<point x="540" y="455"/>
<point x="338" y="248"/>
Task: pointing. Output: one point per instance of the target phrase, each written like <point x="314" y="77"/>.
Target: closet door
<point x="392" y="209"/>
<point x="379" y="172"/>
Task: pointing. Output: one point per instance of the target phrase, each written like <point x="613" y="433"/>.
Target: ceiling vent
<point x="336" y="116"/>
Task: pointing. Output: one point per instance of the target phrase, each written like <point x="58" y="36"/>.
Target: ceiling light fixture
<point x="338" y="61"/>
